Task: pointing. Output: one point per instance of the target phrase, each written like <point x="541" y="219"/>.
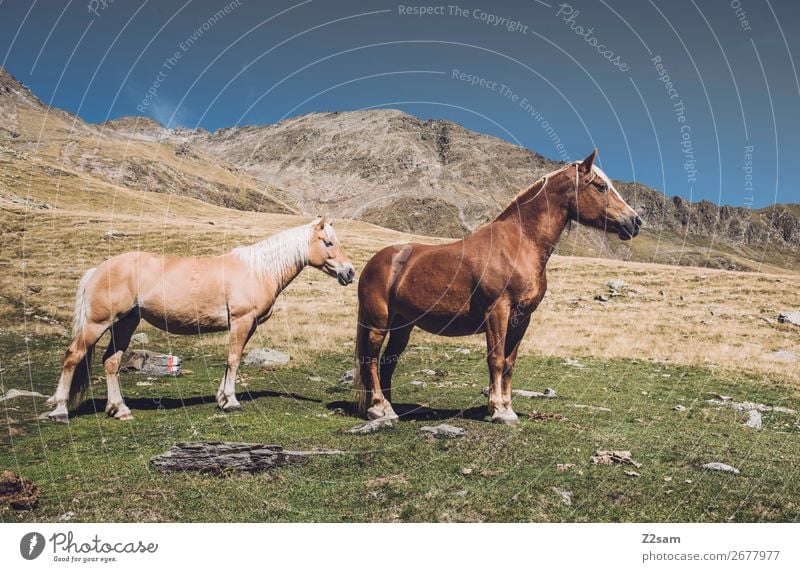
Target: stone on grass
<point x="548" y="393"/>
<point x="565" y="495"/>
<point x="679" y="408"/>
<point x="443" y="430"/>
<point x="265" y="357"/>
<point x="348" y="377"/>
<point x="463" y="351"/>
<point x="152" y="363"/>
<point x="617" y="285"/>
<point x="371" y="426"/>
<point x="14" y="392"/>
<point x="591" y="407"/>
<point x="140" y="338"/>
<point x="753" y="419"/>
<point x="220" y="457"/>
<point x="573" y="363"/>
<point x="717" y="466"/>
<point x="789" y="318"/>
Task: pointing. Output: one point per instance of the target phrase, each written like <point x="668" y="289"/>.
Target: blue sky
<point x="558" y="78"/>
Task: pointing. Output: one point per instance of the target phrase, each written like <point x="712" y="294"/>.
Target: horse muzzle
<point x="630" y="227"/>
<point x="345" y="274"/>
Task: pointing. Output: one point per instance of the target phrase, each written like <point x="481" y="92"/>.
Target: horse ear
<point x="321" y="223"/>
<point x="586" y="166"/>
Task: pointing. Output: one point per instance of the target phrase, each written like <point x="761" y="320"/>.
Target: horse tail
<point x="82" y="374"/>
<point x="359" y="383"/>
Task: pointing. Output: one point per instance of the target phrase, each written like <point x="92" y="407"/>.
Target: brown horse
<point x="491" y="282"/>
<point x="234" y="292"/>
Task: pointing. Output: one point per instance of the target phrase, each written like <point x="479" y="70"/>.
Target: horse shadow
<point x="98" y="405"/>
<point x="417" y="412"/>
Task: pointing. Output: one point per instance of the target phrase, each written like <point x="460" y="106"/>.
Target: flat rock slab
<point x="265" y="357"/>
<point x="13" y="392"/>
<point x="18" y="492"/>
<point x="443" y="430"/>
<point x="548" y="393"/>
<point x="152" y="363"/>
<point x="716" y="466"/>
<point x="371" y="426"/>
<point x="220" y="456"/>
<point x="789" y="318"/>
<point x="753" y="419"/>
<point x="725" y="401"/>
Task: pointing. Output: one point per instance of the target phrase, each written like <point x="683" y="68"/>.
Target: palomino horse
<point x="491" y="282"/>
<point x="235" y="291"/>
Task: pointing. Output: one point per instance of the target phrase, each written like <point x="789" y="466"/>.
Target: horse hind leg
<point x="75" y="371"/>
<point x="370" y="400"/>
<point x="121" y="333"/>
<point x="398" y="340"/>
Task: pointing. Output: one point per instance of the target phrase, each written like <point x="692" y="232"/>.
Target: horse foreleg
<point x="496" y="329"/>
<point x="514" y="335"/>
<point x="121" y="334"/>
<point x="240" y="331"/>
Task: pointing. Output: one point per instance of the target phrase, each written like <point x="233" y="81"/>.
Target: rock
<point x="716" y="466"/>
<point x="563" y="467"/>
<point x="418" y="383"/>
<point x="591" y="407"/>
<point x="749" y="405"/>
<point x="573" y="363"/>
<point x="789" y="318"/>
<point x="14" y="392"/>
<point x="782" y="355"/>
<point x="66" y="517"/>
<point x="112" y="234"/>
<point x="428" y="372"/>
<point x="617" y="285"/>
<point x="485" y="391"/>
<point x="152" y="363"/>
<point x="463" y="351"/>
<point x="34" y="288"/>
<point x="265" y="357"/>
<point x="753" y="420"/>
<point x="632" y="474"/>
<point x="602" y="298"/>
<point x="565" y="495"/>
<point x="549" y="393"/>
<point x="143" y="384"/>
<point x="223" y="456"/>
<point x="18" y="492"/>
<point x="679" y="408"/>
<point x="614" y="458"/>
<point x="348" y="377"/>
<point x="443" y="430"/>
<point x="371" y="426"/>
<point x="314" y="378"/>
<point x="140" y="338"/>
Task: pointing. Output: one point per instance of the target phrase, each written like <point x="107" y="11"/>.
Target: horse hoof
<point x="124" y="417"/>
<point x="505" y="418"/>
<point x="376" y="412"/>
<point x="231" y="408"/>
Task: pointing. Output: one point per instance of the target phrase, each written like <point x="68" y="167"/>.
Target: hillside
<point x="386" y="167"/>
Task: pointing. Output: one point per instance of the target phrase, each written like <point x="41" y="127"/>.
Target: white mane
<point x="279" y="255"/>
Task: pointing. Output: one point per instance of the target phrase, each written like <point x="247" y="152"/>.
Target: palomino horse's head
<point x="325" y="253"/>
<point x="595" y="202"/>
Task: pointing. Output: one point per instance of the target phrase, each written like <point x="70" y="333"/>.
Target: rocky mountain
<point x="430" y="177"/>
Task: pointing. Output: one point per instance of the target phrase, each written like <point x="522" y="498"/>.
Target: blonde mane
<point x="278" y="256"/>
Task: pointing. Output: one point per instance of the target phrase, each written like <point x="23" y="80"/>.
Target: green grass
<point x="98" y="468"/>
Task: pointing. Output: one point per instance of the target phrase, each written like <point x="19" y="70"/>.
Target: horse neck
<point x="279" y="258"/>
<point x="540" y="212"/>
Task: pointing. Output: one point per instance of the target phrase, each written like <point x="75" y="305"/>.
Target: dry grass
<point x="674" y="314"/>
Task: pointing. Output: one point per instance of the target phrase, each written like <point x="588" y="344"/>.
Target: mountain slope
<point x="386" y="167"/>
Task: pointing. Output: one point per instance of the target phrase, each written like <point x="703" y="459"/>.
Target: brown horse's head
<point x="595" y="202"/>
<point x="325" y="253"/>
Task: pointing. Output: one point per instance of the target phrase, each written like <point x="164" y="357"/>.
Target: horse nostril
<point x="637" y="221"/>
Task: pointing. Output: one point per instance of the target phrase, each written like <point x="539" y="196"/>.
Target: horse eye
<point x="327" y="243"/>
<point x="602" y="187"/>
